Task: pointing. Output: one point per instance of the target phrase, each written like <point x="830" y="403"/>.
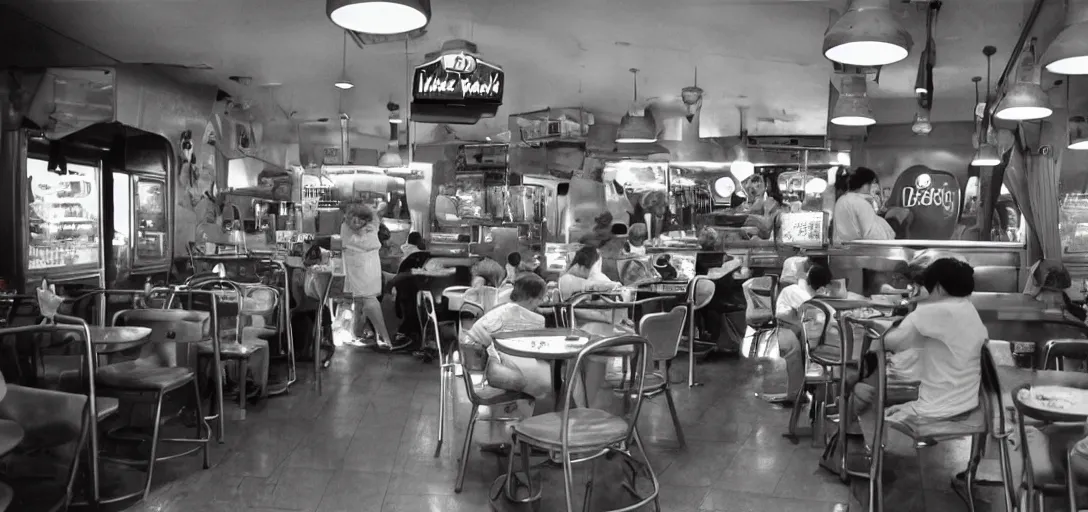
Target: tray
<point x="1034" y="409"/>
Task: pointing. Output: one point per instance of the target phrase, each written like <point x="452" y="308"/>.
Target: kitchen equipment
<point x="526" y="203"/>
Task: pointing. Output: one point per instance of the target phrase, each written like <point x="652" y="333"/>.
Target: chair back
<point x="633" y="400"/>
<point x="818" y="319"/>
<point x="700" y="292"/>
<point x="484" y="297"/>
<point x="761" y="294"/>
<point x="66" y="326"/>
<point x="56" y="421"/>
<point x="664" y="331"/>
<point x="1056" y="351"/>
<point x="428" y="316"/>
<point x="473" y="360"/>
<point x="209" y="303"/>
<point x="591" y="300"/>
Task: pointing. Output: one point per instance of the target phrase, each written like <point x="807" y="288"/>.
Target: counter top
<point x="931" y="244"/>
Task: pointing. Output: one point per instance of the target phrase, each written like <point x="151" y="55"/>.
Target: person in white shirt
<point x="636" y="240"/>
<point x="946" y="335"/>
<point x="855" y="217"/>
<point x="790" y="325"/>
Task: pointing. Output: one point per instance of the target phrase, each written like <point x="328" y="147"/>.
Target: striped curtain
<point x="1043" y="174"/>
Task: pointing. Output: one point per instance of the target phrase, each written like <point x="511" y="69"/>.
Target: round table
<point x="11" y="434"/>
<point x="555" y="344"/>
<point x="110" y="340"/>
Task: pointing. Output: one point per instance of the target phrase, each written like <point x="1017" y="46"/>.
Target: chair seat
<point x="106" y="406"/>
<point x="654" y="383"/>
<point x="139" y="376"/>
<point x="966" y="424"/>
<point x="589" y="429"/>
<point x="826" y="354"/>
<point x="489" y="395"/>
<point x="231" y="350"/>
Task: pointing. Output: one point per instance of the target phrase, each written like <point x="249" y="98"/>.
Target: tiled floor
<point x="367" y="444"/>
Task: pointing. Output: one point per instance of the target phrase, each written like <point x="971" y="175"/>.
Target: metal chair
<point x="693" y="346"/>
<point x="818" y="379"/>
<point x="212" y="353"/>
<point x="580" y="435"/>
<point x="765" y="330"/>
<point x="663" y="331"/>
<point x="474" y="363"/>
<point x="429" y="316"/>
<point x="57" y="427"/>
<point x="973" y="424"/>
<point x="99" y="408"/>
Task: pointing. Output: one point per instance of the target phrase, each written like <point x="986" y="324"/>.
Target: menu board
<point x="933" y="197"/>
<point x="803" y="229"/>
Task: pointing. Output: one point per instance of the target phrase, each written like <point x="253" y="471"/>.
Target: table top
<point x="552" y="344"/>
<point x="11" y="434"/>
<point x="115" y="339"/>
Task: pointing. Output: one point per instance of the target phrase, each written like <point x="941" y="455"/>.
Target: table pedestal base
<point x="500" y="503"/>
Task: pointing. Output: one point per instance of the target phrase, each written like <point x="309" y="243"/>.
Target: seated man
<point x="791" y="326"/>
<point x="530" y="376"/>
<point x="947" y="335"/>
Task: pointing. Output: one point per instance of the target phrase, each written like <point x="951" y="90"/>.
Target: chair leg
<point x="978" y="445"/>
<point x="1006" y="472"/>
<point x="441" y="407"/>
<point x="243" y="369"/>
<point x="1070" y="482"/>
<point x="202" y="424"/>
<point x="154" y="443"/>
<point x="466" y="450"/>
<point x="568" y="479"/>
<point x="819" y="407"/>
<point x="649" y="469"/>
<point x="675" y="417"/>
<point x="795" y="413"/>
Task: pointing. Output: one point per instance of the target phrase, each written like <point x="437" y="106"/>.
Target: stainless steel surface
<point x="999" y="266"/>
<point x="527" y="203"/>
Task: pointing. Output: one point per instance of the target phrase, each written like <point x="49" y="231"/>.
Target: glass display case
<point x="63" y="216"/>
<point x="150" y="222"/>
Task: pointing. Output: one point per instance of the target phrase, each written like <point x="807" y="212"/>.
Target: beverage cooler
<point x="141" y="228"/>
<point x="55" y="229"/>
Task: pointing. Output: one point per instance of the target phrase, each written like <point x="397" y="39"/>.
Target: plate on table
<point x="1054" y="403"/>
<point x="547" y="344"/>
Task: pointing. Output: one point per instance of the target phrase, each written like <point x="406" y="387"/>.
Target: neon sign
<point x="458" y="78"/>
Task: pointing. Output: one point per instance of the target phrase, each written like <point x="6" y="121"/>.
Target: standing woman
<point x="363" y="268"/>
<point x="855" y="216"/>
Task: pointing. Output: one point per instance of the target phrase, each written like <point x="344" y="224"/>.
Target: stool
<point x="136" y="377"/>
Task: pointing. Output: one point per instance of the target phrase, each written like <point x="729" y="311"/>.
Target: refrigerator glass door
<point x="122" y="222"/>
<point x="151" y="225"/>
<point x="63" y="217"/>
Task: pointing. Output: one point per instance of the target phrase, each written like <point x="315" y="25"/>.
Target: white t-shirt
<point x="951" y="336"/>
<point x="856" y="219"/>
<point x="790" y="300"/>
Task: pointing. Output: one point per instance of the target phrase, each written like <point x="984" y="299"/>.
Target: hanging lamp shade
<point x="1025" y="100"/>
<point x="636" y="129"/>
<point x="1078" y="133"/>
<point x="344" y="82"/>
<point x="986" y="156"/>
<point x="867" y="35"/>
<point x="852" y="108"/>
<point x="1068" y="53"/>
<point x="379" y="16"/>
<point x="390" y="159"/>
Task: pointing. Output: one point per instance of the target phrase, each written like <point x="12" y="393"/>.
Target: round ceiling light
<point x="742" y="169"/>
<point x="636" y="130"/>
<point x="382" y="17"/>
<point x="867" y="35"/>
<point x="815" y="186"/>
<point x="986" y="156"/>
<point x="1078" y="133"/>
<point x="343" y="83"/>
<point x="1024" y="101"/>
<point x="852" y="108"/>
<point x="1068" y="53"/>
<point x="725" y="187"/>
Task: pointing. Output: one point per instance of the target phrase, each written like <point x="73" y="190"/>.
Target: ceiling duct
<point x="681" y="138"/>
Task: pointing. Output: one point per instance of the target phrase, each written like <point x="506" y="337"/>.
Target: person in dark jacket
<point x="724" y="315"/>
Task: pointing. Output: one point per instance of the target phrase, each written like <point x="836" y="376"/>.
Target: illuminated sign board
<point x="458" y="78"/>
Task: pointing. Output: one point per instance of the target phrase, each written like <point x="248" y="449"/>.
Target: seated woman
<point x="636" y="240"/>
<point x="530" y="376"/>
<point x="939" y="345"/>
<point x="791" y="326"/>
<point x="584" y="275"/>
<point x="405" y="289"/>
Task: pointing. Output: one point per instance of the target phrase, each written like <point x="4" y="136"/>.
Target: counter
<point x="999" y="266"/>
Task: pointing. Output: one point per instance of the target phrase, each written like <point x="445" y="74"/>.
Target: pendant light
<point x="1078" y="124"/>
<point x="742" y="167"/>
<point x="852" y="108"/>
<point x="986" y="155"/>
<point x="344" y="82"/>
<point x="379" y="16"/>
<point x="923" y="81"/>
<point x="391" y="157"/>
<point x="867" y="35"/>
<point x="1068" y="53"/>
<point x="636" y="129"/>
<point x="1025" y="100"/>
